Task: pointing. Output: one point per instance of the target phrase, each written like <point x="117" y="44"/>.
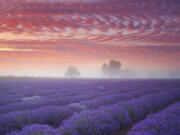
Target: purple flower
<point x="165" y="122"/>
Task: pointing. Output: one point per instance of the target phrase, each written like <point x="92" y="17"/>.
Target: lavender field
<point x="89" y="107"/>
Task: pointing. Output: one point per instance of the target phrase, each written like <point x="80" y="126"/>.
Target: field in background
<point x="30" y="106"/>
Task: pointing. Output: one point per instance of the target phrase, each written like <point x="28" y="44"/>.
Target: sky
<point x="44" y="37"/>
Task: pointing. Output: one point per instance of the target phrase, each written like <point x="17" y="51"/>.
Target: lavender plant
<point x="165" y="122"/>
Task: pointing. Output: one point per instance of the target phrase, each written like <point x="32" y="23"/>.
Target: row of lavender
<point x="13" y="91"/>
<point x="53" y="115"/>
<point x="165" y="122"/>
<point x="107" y="120"/>
<point x="84" y="98"/>
<point x="12" y="101"/>
<point x="79" y="91"/>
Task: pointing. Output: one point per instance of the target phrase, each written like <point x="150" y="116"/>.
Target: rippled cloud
<point x="114" y="28"/>
<point x="103" y="22"/>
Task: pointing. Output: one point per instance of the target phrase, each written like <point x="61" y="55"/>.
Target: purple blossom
<point x="165" y="122"/>
<point x="103" y="121"/>
<point x="86" y="107"/>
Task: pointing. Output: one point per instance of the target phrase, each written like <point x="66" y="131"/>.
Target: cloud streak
<point x="15" y="50"/>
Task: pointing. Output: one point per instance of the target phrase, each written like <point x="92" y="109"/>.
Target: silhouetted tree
<point x="72" y="72"/>
<point x="112" y="69"/>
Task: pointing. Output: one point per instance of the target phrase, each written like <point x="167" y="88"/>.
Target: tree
<point x="112" y="69"/>
<point x="72" y="72"/>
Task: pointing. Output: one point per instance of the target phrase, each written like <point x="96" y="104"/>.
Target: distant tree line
<point x="109" y="70"/>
